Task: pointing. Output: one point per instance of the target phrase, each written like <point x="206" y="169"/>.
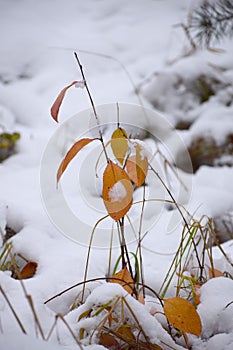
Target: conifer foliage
<point x="211" y="22"/>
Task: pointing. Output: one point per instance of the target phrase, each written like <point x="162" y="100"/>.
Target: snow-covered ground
<point x="36" y="62"/>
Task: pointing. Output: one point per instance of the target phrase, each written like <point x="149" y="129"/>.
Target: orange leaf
<point x="141" y="298"/>
<point x="71" y="154"/>
<point x="137" y="167"/>
<point x="57" y="103"/>
<point x="119" y="144"/>
<point x="215" y="273"/>
<point x="182" y="315"/>
<point x="125" y="280"/>
<point x="197" y="294"/>
<point x="108" y="341"/>
<point x="29" y="270"/>
<point x="117" y="191"/>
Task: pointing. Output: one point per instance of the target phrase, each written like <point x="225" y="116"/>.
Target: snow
<point x="117" y="192"/>
<point x="145" y="150"/>
<point x="36" y="62"/>
<point x="14" y="341"/>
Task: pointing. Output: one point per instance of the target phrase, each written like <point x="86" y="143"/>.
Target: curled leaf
<point x="57" y="103"/>
<point x="71" y="154"/>
<point x="117" y="191"/>
<point x="28" y="270"/>
<point x="119" y="144"/>
<point x="125" y="280"/>
<point x="182" y="315"/>
<point x="137" y="167"/>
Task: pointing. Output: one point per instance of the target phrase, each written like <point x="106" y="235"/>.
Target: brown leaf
<point x="119" y="144"/>
<point x="57" y="103"/>
<point x="215" y="273"/>
<point x="125" y="280"/>
<point x="28" y="270"/>
<point x="71" y="154"/>
<point x="182" y="315"/>
<point x="125" y="334"/>
<point x="137" y="167"/>
<point x="117" y="191"/>
<point x="140" y="345"/>
<point x="108" y="341"/>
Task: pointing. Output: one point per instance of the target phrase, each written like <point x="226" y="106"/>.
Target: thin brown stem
<point x="92" y="104"/>
<point x="101" y="279"/>
<point x="140" y="239"/>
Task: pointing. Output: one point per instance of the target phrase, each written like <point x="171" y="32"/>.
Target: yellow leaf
<point x="182" y="315"/>
<point x="57" y="103"/>
<point x="137" y="167"/>
<point x="117" y="191"/>
<point x="81" y="333"/>
<point x="119" y="144"/>
<point x="125" y="280"/>
<point x="86" y="313"/>
<point x="29" y="270"/>
<point x="126" y="333"/>
<point x="71" y="154"/>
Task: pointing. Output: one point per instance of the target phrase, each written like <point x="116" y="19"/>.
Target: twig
<point x="92" y="104"/>
<point x="101" y="279"/>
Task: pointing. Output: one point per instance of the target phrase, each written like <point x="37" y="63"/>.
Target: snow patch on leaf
<point x="145" y="150"/>
<point x="117" y="192"/>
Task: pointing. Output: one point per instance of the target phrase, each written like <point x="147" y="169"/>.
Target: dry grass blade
<point x="13" y="310"/>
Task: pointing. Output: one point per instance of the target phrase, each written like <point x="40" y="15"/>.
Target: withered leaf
<point x="57" y="103"/>
<point x="71" y="154"/>
<point x="28" y="270"/>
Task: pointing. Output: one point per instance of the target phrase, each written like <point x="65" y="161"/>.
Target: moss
<point x="7" y="144"/>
